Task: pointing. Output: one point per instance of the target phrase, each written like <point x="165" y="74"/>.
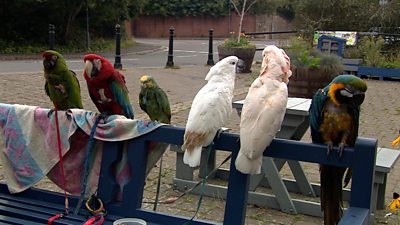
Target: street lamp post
<point x="52" y="33"/>
<point x="170" y="61"/>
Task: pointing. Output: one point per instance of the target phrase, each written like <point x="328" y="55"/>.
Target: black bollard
<point x="170" y="62"/>
<point x="210" y="60"/>
<point x="117" y="62"/>
<point x="52" y="33"/>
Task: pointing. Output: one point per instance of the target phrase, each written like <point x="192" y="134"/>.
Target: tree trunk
<point x="241" y="20"/>
<point x="75" y="9"/>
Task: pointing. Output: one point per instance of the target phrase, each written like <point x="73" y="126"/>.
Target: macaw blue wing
<point x="120" y="94"/>
<point x="315" y="112"/>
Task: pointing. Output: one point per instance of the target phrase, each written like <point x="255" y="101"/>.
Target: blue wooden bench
<point x="36" y="206"/>
<point x="350" y="66"/>
<point x="380" y="73"/>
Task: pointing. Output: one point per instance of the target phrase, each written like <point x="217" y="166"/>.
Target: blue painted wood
<point x="361" y="159"/>
<point x="363" y="172"/>
<point x="355" y="215"/>
<point x="108" y="187"/>
<point x="236" y="199"/>
<point x="339" y="42"/>
<point x="378" y="72"/>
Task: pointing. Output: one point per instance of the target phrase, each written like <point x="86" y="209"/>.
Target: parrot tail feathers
<point x="248" y="166"/>
<point x="192" y="157"/>
<point x="331" y="193"/>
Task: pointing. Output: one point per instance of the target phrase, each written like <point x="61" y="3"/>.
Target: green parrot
<point x="154" y="101"/>
<point x="334" y="120"/>
<point x="62" y="85"/>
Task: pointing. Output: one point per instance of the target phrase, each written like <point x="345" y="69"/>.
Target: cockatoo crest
<point x="223" y="67"/>
<point x="277" y="63"/>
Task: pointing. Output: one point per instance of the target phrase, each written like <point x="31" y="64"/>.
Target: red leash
<point x="57" y="216"/>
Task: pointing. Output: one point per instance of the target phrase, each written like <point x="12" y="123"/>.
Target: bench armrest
<point x="356" y="215"/>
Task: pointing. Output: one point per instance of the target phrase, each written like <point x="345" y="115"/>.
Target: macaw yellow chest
<point x="337" y="123"/>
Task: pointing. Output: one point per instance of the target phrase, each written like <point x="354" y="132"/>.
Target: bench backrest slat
<point x="361" y="159"/>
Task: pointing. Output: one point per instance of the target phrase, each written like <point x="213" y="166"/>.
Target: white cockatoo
<point x="210" y="109"/>
<point x="263" y="109"/>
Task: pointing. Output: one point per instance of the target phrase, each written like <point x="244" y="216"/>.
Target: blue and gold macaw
<point x="396" y="141"/>
<point x="334" y="121"/>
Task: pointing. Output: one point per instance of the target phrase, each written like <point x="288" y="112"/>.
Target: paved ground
<point x="380" y="118"/>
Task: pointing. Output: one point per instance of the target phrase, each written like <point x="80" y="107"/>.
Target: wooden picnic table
<point x="295" y="124"/>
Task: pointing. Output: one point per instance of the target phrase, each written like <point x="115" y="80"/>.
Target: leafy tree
<point x="334" y="14"/>
<point x="179" y="8"/>
<point x="26" y="21"/>
<point x="387" y="17"/>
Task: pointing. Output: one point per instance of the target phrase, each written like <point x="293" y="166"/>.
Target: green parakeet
<point x="334" y="120"/>
<point x="62" y="85"/>
<point x="154" y="101"/>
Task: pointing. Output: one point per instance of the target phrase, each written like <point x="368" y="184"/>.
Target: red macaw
<point x="106" y="86"/>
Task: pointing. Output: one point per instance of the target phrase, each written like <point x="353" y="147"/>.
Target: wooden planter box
<point x="245" y="54"/>
<point x="378" y="72"/>
<point x="304" y="81"/>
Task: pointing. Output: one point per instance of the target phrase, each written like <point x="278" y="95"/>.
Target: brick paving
<point x="380" y="118"/>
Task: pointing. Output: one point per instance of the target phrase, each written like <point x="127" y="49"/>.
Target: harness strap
<point x="86" y="165"/>
<point x="51" y="219"/>
<point x="95" y="220"/>
<point x="57" y="216"/>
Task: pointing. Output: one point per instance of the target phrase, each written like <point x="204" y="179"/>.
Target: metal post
<point x="210" y="60"/>
<point x="117" y="62"/>
<point x="170" y="62"/>
<point x="52" y="32"/>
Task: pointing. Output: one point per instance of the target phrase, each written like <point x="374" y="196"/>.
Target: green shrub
<point x="232" y="41"/>
<point x="72" y="47"/>
<point x="303" y="55"/>
<point x="370" y="48"/>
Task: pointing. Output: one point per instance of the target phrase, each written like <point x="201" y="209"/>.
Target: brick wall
<point x="267" y="23"/>
<point x="158" y="27"/>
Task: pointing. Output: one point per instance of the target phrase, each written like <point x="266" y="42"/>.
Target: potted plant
<point x="241" y="48"/>
<point x="311" y="69"/>
<point x="238" y="44"/>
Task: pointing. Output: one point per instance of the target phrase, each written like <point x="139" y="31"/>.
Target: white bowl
<point x="130" y="221"/>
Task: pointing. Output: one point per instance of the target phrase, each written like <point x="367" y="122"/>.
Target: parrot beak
<point x="240" y="66"/>
<point x="89" y="67"/>
<point x="359" y="98"/>
<point x="47" y="64"/>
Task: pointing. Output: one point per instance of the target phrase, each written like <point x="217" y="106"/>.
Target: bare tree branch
<point x="251" y="4"/>
<point x="236" y="8"/>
